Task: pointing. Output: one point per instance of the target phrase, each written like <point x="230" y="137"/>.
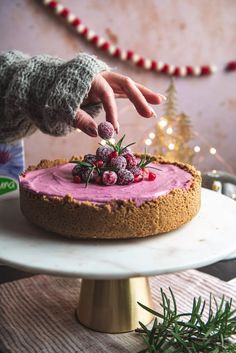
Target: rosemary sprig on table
<point x="171" y="334"/>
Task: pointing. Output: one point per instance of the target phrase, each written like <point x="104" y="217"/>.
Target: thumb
<point x="85" y="123"/>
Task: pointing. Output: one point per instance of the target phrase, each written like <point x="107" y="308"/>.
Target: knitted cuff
<point x="69" y="90"/>
<point x="92" y="109"/>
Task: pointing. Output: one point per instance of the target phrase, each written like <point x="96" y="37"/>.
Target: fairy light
<point x="148" y="142"/>
<point x="171" y="146"/>
<point x="217" y="186"/>
<point x="197" y="149"/>
<point x="152" y="135"/>
<point x="78" y="130"/>
<point x="103" y="142"/>
<point x="171" y="128"/>
<point x="212" y="150"/>
<point x="162" y="123"/>
<point x="169" y="131"/>
<point x="113" y="141"/>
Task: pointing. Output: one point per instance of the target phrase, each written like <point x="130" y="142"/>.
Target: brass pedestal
<point x="111" y="305"/>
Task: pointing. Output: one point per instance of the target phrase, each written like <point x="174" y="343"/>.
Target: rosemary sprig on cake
<point x="171" y="334"/>
<point x="113" y="163"/>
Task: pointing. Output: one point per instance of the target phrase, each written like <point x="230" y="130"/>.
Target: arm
<point x="43" y="92"/>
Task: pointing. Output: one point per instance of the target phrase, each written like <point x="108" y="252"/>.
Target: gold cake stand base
<point x="111" y="305"/>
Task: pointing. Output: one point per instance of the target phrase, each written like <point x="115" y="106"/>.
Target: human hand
<point x="104" y="89"/>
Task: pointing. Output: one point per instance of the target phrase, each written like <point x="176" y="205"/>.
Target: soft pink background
<point x="174" y="31"/>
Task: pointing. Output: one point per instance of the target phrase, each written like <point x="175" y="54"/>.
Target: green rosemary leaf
<point x="89" y="176"/>
<point x="151" y="310"/>
<point x="123" y="148"/>
<point x="181" y="341"/>
<point x="174" y="332"/>
<point x="173" y="300"/>
<point x="77" y="162"/>
<point x="110" y="145"/>
<point x="153" y="331"/>
<point x="86" y="164"/>
<point x="82" y="163"/>
<point x="151" y="167"/>
<point x="145" y="161"/>
<point x="119" y="143"/>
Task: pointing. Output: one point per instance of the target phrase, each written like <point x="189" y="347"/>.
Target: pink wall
<point x="175" y="31"/>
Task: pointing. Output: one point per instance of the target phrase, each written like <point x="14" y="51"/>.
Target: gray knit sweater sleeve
<point x="43" y="92"/>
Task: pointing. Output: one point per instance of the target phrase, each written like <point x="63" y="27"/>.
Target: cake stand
<point x="115" y="273"/>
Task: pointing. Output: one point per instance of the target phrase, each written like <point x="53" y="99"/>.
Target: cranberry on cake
<point x="113" y="194"/>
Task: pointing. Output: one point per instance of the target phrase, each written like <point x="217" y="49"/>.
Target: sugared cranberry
<point x="125" y="177"/>
<point x="103" y="153"/>
<point x="89" y="175"/>
<point x="77" y="170"/>
<point x="138" y="178"/>
<point x="126" y="150"/>
<point x="113" y="154"/>
<point x="106" y="130"/>
<point x="131" y="160"/>
<point x="136" y="171"/>
<point x="90" y="158"/>
<point x="77" y="179"/>
<point x="118" y="163"/>
<point x="109" y="178"/>
<point x="151" y="176"/>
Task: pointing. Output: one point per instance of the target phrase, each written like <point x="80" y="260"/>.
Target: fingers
<point x="139" y="95"/>
<point x="151" y="97"/>
<point x="120" y="95"/>
<point x="137" y="98"/>
<point x="86" y="123"/>
<point x="106" y="94"/>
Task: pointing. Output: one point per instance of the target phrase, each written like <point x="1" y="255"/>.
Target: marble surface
<point x="208" y="238"/>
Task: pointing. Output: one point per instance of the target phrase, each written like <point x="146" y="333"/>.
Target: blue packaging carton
<point x="12" y="163"/>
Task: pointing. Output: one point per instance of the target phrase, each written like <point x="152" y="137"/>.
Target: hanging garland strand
<point x="129" y="55"/>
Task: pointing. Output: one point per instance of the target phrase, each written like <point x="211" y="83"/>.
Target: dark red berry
<point x="131" y="159"/>
<point x="77" y="179"/>
<point x="125" y="177"/>
<point x="138" y="178"/>
<point x="118" y="163"/>
<point x="109" y="178"/>
<point x="90" y="158"/>
<point x="98" y="163"/>
<point x="106" y="130"/>
<point x="114" y="154"/>
<point x="231" y="66"/>
<point x="136" y="171"/>
<point x="77" y="170"/>
<point x="89" y="175"/>
<point x="151" y="176"/>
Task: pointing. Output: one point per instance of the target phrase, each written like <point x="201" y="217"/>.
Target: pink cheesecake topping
<point x="58" y="181"/>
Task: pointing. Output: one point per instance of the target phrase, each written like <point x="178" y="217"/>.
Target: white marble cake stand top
<point x="209" y="237"/>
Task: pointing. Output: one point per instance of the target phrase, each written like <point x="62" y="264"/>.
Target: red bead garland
<point x="231" y="66"/>
<point x="130" y="55"/>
